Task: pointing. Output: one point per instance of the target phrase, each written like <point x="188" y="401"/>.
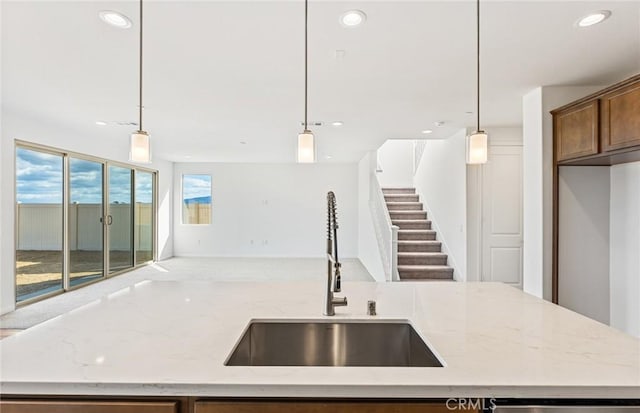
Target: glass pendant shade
<point x="306" y="147"/>
<point x="477" y="147"/>
<point x="140" y="150"/>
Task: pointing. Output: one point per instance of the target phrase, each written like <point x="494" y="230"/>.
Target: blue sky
<point x="39" y="180"/>
<point x="196" y="186"/>
<point x="38" y="177"/>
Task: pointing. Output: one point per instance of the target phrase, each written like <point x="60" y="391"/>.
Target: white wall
<point x="395" y="158"/>
<point x="368" y="249"/>
<point x="441" y="181"/>
<point x="532" y="174"/>
<point x="270" y="210"/>
<point x="4" y="296"/>
<point x="44" y="132"/>
<point x="625" y="248"/>
<point x="538" y="181"/>
<point x="583" y="240"/>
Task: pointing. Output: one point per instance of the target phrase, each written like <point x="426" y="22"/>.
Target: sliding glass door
<point x="39" y="223"/>
<point x="86" y="212"/>
<point x="120" y="218"/>
<point x="144" y="218"/>
<point x="79" y="219"/>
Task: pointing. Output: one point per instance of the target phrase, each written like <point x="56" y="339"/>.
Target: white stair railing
<point x="386" y="232"/>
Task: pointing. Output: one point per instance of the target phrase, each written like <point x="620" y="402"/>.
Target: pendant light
<point x="306" y="140"/>
<point x="477" y="142"/>
<point x="140" y="150"/>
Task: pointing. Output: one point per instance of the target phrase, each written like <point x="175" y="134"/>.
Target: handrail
<point x="386" y="232"/>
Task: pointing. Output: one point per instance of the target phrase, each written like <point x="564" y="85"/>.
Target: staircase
<point x="420" y="256"/>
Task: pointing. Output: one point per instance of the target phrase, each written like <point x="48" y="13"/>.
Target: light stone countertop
<point x="161" y="338"/>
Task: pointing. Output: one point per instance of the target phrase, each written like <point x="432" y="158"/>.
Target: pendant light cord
<point x="140" y="74"/>
<point x="306" y="58"/>
<point x="478" y="62"/>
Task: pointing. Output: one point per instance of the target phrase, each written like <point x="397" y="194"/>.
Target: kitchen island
<point x="171" y="339"/>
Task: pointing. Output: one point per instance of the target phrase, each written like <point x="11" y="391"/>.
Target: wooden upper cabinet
<point x="576" y="131"/>
<point x="600" y="129"/>
<point x="620" y="118"/>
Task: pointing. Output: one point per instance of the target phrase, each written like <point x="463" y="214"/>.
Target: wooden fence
<point x="196" y="213"/>
<point x="40" y="227"/>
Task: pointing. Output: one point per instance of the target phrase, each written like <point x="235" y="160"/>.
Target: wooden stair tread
<point x="420" y="254"/>
<point x="426" y="280"/>
<point x="398" y="190"/>
<point x="399" y="214"/>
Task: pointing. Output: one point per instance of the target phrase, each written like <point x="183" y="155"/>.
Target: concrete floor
<point x="211" y="269"/>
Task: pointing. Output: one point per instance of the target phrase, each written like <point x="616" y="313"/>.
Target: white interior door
<point x="502" y="216"/>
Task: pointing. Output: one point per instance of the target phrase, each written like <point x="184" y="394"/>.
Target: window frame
<point x="182" y="199"/>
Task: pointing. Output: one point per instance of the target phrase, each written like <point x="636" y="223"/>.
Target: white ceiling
<point x="217" y="73"/>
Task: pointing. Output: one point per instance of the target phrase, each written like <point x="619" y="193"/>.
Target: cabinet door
<point x="576" y="131"/>
<point x="620" y="118"/>
<point x="328" y="407"/>
<point x="88" y="406"/>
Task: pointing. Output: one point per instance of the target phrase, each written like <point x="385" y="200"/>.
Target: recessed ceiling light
<point x="352" y="18"/>
<point x="328" y="156"/>
<point x="115" y="19"/>
<point x="427" y="131"/>
<point x="101" y="123"/>
<point x="593" y="18"/>
<point x="337" y="123"/>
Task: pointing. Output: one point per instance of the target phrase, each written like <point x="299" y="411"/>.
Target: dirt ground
<point x="41" y="270"/>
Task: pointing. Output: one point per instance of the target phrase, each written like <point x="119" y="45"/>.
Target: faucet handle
<point x="339" y="301"/>
<point x="371" y="307"/>
<point x="337" y="278"/>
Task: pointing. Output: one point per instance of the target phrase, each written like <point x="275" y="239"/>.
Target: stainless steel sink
<point x="343" y="343"/>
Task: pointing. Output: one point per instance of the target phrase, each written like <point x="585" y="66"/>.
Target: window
<point x="196" y="199"/>
<point x="39" y="223"/>
<point x="79" y="219"/>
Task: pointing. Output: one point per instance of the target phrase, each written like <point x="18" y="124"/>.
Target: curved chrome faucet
<point x="333" y="279"/>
